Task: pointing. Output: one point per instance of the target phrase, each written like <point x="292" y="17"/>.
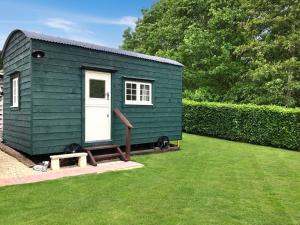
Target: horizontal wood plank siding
<point x="57" y="97"/>
<point x="17" y="123"/>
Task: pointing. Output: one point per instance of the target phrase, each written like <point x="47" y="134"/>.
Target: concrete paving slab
<point x="70" y="171"/>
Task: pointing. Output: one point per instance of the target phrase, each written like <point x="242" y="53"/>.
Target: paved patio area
<point x="13" y="172"/>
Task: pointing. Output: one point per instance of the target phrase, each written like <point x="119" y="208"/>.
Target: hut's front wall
<point x="58" y="97"/>
<point x="17" y="121"/>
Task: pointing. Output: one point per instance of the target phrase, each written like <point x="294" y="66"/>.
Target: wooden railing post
<point x="128" y="143"/>
<point x="128" y="132"/>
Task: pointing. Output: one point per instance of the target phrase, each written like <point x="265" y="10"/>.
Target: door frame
<point x="110" y="70"/>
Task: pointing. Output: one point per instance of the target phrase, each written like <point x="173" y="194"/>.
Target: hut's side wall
<point x="58" y="115"/>
<point x="17" y="122"/>
<point x="1" y="106"/>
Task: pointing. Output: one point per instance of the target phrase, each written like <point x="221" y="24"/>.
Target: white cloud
<point x="68" y="25"/>
<point x="128" y="20"/>
<point x="78" y="26"/>
<point x="124" y="21"/>
<point x="61" y="24"/>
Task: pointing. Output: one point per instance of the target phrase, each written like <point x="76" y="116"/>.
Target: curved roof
<point x="59" y="40"/>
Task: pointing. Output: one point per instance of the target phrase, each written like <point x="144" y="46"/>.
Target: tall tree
<point x="235" y="50"/>
<point x="201" y="34"/>
<point x="1" y="60"/>
<point x="273" y="50"/>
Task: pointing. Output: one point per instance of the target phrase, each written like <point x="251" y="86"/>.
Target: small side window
<point x="15" y="91"/>
<point x="138" y="93"/>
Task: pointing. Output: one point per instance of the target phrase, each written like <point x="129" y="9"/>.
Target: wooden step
<point x="107" y="156"/>
<point x="100" y="147"/>
<point x="92" y="158"/>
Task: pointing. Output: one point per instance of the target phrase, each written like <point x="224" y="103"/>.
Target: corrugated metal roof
<point x="43" y="37"/>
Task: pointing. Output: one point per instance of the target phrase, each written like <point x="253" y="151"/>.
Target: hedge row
<point x="264" y="125"/>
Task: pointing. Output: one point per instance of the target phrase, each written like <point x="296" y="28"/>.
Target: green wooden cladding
<point x="51" y="113"/>
<point x="17" y="122"/>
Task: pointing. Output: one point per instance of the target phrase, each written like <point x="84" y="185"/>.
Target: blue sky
<point x="99" y="22"/>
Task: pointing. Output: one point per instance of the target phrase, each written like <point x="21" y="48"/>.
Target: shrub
<point x="264" y="125"/>
<point x="201" y="94"/>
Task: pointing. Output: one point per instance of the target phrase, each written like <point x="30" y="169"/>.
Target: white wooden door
<point x="97" y="106"/>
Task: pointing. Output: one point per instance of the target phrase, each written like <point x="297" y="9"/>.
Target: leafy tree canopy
<point x="1" y="61"/>
<point x="237" y="51"/>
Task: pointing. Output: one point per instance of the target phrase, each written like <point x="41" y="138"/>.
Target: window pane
<point x="97" y="88"/>
<point x="15" y="91"/>
<point x="131" y="91"/>
<point x="144" y="92"/>
<point x="14" y="86"/>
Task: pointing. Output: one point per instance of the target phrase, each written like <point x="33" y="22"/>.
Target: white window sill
<point x="14" y="108"/>
<point x="139" y="104"/>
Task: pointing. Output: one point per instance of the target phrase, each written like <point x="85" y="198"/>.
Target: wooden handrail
<point x="123" y="118"/>
<point x="128" y="131"/>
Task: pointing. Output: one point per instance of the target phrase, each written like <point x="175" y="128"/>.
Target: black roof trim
<point x="99" y="68"/>
<point x="138" y="78"/>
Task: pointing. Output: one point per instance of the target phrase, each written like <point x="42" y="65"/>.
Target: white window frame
<point x="138" y="95"/>
<point x="15" y="92"/>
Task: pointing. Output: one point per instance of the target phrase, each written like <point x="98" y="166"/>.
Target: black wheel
<point x="72" y="148"/>
<point x="163" y="142"/>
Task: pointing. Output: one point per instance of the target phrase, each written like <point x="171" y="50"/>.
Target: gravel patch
<point x="12" y="168"/>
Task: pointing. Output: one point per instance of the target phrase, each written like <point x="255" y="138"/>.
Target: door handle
<point x="107" y="95"/>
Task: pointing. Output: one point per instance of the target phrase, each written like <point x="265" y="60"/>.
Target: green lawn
<point x="211" y="181"/>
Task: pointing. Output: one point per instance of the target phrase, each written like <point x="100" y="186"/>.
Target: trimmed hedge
<point x="264" y="125"/>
